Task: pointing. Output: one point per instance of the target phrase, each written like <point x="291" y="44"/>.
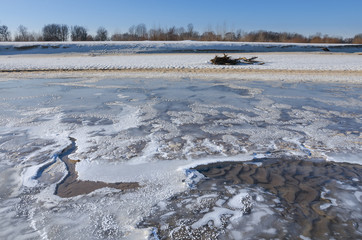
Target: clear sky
<point x="333" y="17"/>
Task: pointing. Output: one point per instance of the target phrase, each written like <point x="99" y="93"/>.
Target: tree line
<point x="62" y="32"/>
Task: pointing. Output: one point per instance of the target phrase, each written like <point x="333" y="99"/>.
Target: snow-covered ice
<point x="9" y="48"/>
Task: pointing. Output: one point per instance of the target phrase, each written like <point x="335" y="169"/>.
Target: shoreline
<point x="72" y="186"/>
<point x="189" y="70"/>
<point x="279" y="66"/>
<point x="316" y="76"/>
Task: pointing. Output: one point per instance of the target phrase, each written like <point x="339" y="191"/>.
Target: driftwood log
<point x="227" y="60"/>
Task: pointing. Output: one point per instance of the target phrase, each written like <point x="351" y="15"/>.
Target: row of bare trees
<point x="61" y="32"/>
<point x="54" y="32"/>
<point x="139" y="32"/>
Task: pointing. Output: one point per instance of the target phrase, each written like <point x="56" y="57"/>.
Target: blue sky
<point x="336" y="18"/>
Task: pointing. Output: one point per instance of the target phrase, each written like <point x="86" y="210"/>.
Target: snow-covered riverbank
<point x="280" y="61"/>
<point x="343" y="63"/>
<point x="14" y="48"/>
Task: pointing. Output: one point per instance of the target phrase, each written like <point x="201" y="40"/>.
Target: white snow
<point x="97" y="48"/>
<point x="185" y="55"/>
<point x="304" y="238"/>
<point x="28" y="175"/>
<point x="88" y="140"/>
<point x="213" y="216"/>
<point x="344" y="157"/>
<point x="142" y="171"/>
<point x="195" y="61"/>
<point x="358" y="196"/>
<point x="236" y="201"/>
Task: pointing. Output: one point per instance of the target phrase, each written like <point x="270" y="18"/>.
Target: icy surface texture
<point x="284" y="198"/>
<point x="147" y="131"/>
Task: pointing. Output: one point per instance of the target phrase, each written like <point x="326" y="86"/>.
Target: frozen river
<point x="180" y="158"/>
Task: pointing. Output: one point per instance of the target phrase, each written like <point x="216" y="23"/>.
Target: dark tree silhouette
<point x="79" y="33"/>
<point x="55" y="32"/>
<point x="102" y="34"/>
<point x="141" y="31"/>
<point x="64" y="32"/>
<point x="4" y="34"/>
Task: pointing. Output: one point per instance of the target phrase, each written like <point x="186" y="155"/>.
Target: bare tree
<point x="180" y="32"/>
<point x="141" y="31"/>
<point x="64" y="32"/>
<point x="132" y="30"/>
<point x="23" y="35"/>
<point x="153" y="34"/>
<point x="4" y="34"/>
<point x="117" y="37"/>
<point x="51" y="32"/>
<point x="157" y="34"/>
<point x="171" y="34"/>
<point x="190" y="31"/>
<point x="210" y="36"/>
<point x="229" y="36"/>
<point x="102" y="34"/>
<point x="79" y="33"/>
<point x="89" y="38"/>
<point x="357" y="39"/>
<point x="238" y="34"/>
<point x="55" y="32"/>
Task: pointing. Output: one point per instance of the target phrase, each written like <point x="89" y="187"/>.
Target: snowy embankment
<point x="14" y="48"/>
<point x="276" y="61"/>
<point x="342" y="60"/>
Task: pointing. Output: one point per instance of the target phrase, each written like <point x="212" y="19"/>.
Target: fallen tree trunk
<point x="227" y="60"/>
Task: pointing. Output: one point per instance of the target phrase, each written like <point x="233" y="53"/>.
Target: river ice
<point x="153" y="131"/>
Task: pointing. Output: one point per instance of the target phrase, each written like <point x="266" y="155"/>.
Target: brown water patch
<point x="71" y="186"/>
<point x="284" y="198"/>
<point x="27" y="47"/>
<point x="299" y="185"/>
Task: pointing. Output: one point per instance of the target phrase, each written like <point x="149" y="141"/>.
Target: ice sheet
<point x="99" y="48"/>
<point x="153" y="131"/>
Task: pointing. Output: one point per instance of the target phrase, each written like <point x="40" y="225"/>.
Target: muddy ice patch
<point x="272" y="198"/>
